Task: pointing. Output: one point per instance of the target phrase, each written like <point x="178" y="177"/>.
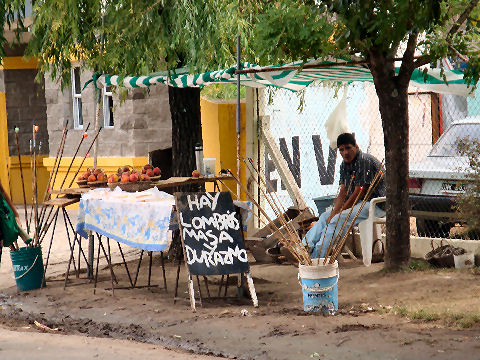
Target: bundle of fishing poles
<point x="40" y="219"/>
<point x="339" y="239"/>
<point x="287" y="233"/>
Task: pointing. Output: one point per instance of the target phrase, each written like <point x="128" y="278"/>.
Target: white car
<point x="436" y="181"/>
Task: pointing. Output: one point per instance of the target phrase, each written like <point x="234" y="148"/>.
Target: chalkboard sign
<point x="211" y="234"/>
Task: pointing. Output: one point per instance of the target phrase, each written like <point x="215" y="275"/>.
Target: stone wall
<point x="25" y="102"/>
<point x="142" y="121"/>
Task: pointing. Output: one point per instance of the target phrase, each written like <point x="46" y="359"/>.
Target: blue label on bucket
<point x="320" y="295"/>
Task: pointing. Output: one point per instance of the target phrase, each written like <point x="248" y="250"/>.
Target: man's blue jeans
<point x="314" y="236"/>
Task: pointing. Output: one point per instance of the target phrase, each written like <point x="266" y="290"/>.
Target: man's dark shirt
<point x="363" y="169"/>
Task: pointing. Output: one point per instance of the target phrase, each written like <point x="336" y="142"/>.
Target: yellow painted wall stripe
<point x="18" y="63"/>
<point x="16" y="192"/>
<point x="4" y="143"/>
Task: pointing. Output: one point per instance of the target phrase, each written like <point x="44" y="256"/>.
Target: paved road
<point x="16" y="345"/>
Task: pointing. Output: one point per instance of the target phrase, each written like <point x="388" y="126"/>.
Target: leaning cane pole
<point x="34" y="185"/>
<point x="86" y="155"/>
<point x="84" y="136"/>
<point x="46" y="195"/>
<point x="21" y="176"/>
<point x="31" y="170"/>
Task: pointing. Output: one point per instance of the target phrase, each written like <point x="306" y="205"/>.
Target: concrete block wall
<point x="26" y="106"/>
<point x="142" y="121"/>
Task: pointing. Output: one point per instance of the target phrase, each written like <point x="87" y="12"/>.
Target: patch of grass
<point x="424" y="315"/>
<point x="419" y="265"/>
<point x="414" y="265"/>
<point x="401" y="310"/>
<point x="462" y="320"/>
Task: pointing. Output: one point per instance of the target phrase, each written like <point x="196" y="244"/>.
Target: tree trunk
<point x="393" y="104"/>
<point x="186" y="128"/>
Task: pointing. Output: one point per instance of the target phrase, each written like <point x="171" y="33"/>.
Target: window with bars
<point x="107" y="107"/>
<point x="77" y="99"/>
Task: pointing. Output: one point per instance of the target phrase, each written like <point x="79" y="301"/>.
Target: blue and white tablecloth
<point x="140" y="220"/>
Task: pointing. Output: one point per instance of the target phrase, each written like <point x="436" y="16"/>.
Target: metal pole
<point x="91" y="242"/>
<point x="95" y="155"/>
<point x="97" y="117"/>
<point x="99" y="99"/>
<point x="238" y="115"/>
<point x="91" y="249"/>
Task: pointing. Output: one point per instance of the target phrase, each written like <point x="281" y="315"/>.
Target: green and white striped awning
<point x="294" y="80"/>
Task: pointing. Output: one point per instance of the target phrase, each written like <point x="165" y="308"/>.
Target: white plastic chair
<point x="370" y="229"/>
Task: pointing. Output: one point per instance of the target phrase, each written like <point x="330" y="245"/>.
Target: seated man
<point x="357" y="172"/>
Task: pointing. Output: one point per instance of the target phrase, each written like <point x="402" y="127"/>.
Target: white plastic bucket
<point x="464" y="261"/>
<point x="319" y="286"/>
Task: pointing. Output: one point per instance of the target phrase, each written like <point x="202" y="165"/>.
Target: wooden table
<point x="160" y="184"/>
<point x="62" y="201"/>
<point x="179" y="181"/>
<point x="70" y="191"/>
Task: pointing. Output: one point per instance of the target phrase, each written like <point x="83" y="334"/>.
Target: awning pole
<point x="98" y="104"/>
<point x="238" y="116"/>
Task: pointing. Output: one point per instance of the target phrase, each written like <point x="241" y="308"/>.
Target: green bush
<point x="222" y="92"/>
<point x="468" y="203"/>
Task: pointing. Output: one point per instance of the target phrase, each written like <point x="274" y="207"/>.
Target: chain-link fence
<point x="297" y="124"/>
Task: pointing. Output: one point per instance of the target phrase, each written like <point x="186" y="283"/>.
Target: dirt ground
<point x="421" y="314"/>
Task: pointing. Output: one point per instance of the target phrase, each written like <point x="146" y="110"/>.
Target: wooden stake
<point x="251" y="288"/>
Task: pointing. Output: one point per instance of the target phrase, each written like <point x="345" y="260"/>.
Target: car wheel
<point x="433" y="228"/>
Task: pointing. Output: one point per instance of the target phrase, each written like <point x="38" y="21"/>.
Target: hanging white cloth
<point x="336" y="123"/>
